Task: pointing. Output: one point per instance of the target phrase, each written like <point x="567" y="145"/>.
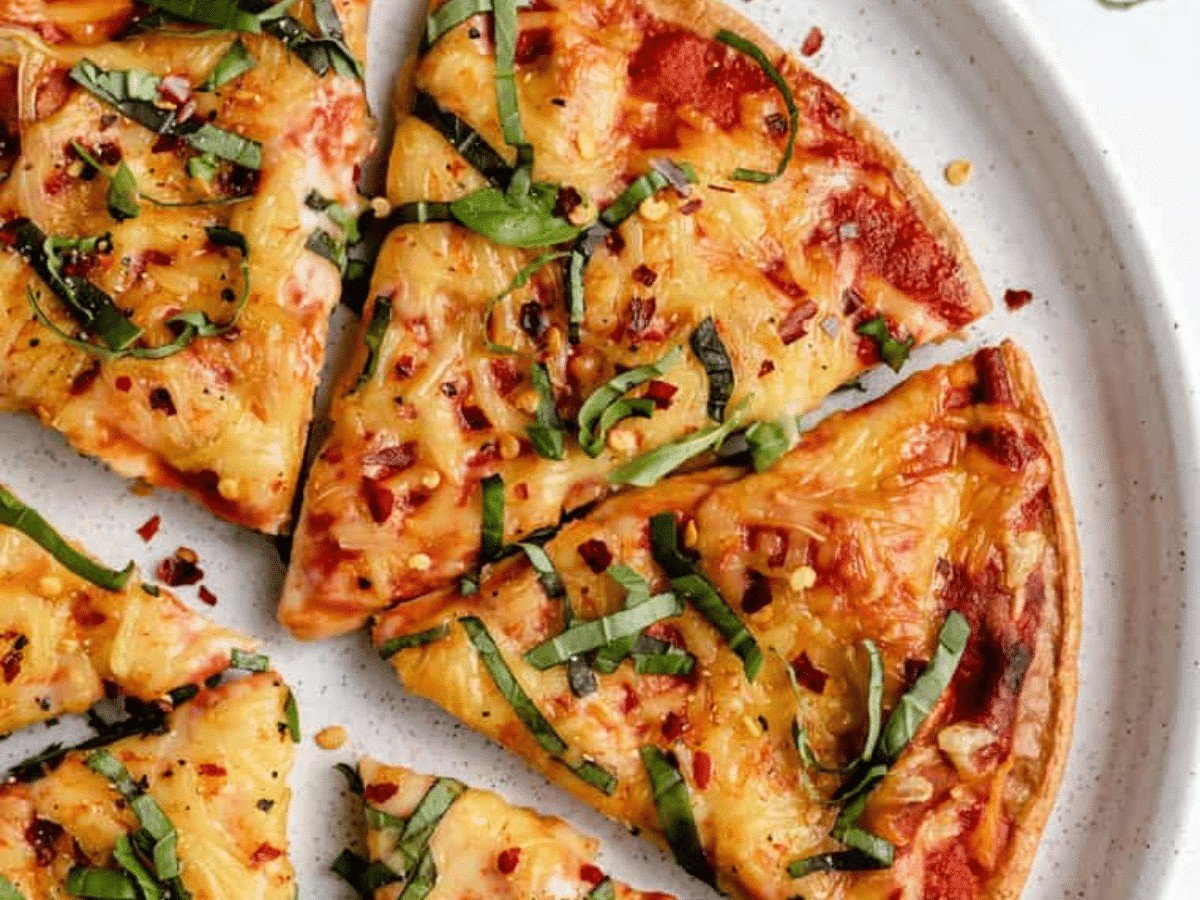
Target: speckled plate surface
<point x="947" y="79"/>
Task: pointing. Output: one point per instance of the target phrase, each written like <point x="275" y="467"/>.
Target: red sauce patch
<point x="1009" y="448"/>
<point x="702" y="769"/>
<point x="596" y="554"/>
<point x="82" y="382"/>
<point x="212" y="770"/>
<point x="42" y="835"/>
<point x="593" y="875"/>
<point x="994" y="385"/>
<point x="813" y="42"/>
<point x="507" y="860"/>
<point x="949" y="876"/>
<point x="265" y="853"/>
<point x="808" y="675"/>
<point x="149" y="528"/>
<point x="381" y="792"/>
<point x="1017" y="299"/>
<point x="380" y="500"/>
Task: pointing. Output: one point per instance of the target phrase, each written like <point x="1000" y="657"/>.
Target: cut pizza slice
<point x="199" y="810"/>
<point x="437" y="838"/>
<point x="177" y="202"/>
<point x="69" y="627"/>
<point x="851" y="675"/>
<point x="689" y="233"/>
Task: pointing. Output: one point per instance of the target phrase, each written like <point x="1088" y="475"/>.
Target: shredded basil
<point x="768" y="442"/>
<point x="381" y="318"/>
<point x="248" y="662"/>
<point x="749" y="48"/>
<point x="121" y="198"/>
<point x="128" y="860"/>
<point x="354" y="781"/>
<point x="8" y="890"/>
<point x="521" y="216"/>
<point x="366" y="878"/>
<point x="687" y="580"/>
<point x="408" y="860"/>
<point x="527" y="712"/>
<point x="321" y="54"/>
<point x="710" y="350"/>
<point x="592" y="427"/>
<point x="654" y="657"/>
<point x="203" y="167"/>
<point x="605" y="890"/>
<point x="223" y="14"/>
<point x="838" y="861"/>
<point x="504" y="19"/>
<point x="26" y="520"/>
<point x="468" y="142"/>
<point x="101" y="884"/>
<point x="874" y="719"/>
<point x="492" y="543"/>
<point x="520" y="280"/>
<point x="291" y="717"/>
<point x="419" y="212"/>
<point x="408" y="641"/>
<point x="653" y="465"/>
<point x="675" y="814"/>
<point x="235" y="63"/>
<point x="892" y="351"/>
<point x="547" y="435"/>
<point x="579" y="676"/>
<point x="596" y="633"/>
<point x="637" y="592"/>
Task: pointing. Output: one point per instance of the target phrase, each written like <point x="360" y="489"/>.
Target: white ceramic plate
<point x="947" y="79"/>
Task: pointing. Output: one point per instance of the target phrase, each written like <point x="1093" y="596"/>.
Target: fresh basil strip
<point x="591" y="432"/>
<point x="408" y="641"/>
<point x="768" y="442"/>
<point x="655" y="657"/>
<point x="892" y="351"/>
<point x="321" y="54"/>
<point x="248" y="662"/>
<point x="605" y="890"/>
<point x="133" y="93"/>
<point x="8" y="890"/>
<point x="547" y="435"/>
<point x="235" y="62"/>
<point x="121" y="198"/>
<point x="688" y="580"/>
<point x="26" y="520"/>
<point x="203" y="167"/>
<point x="492" y="542"/>
<point x="874" y="719"/>
<point x="613" y="215"/>
<point x="596" y="633"/>
<point x="381" y="318"/>
<point x="504" y="20"/>
<point x="415" y="833"/>
<point x="291" y="717"/>
<point x="653" y="465"/>
<point x="520" y="280"/>
<point x="742" y="45"/>
<point x="365" y="877"/>
<point x="917" y="702"/>
<point x="526" y="710"/>
<point x="870" y="845"/>
<point x="223" y="14"/>
<point x="326" y="246"/>
<point x="91" y="307"/>
<point x="710" y="350"/>
<point x="468" y="142"/>
<point x="128" y="860"/>
<point x="418" y="212"/>
<point x="101" y="884"/>
<point x="547" y="575"/>
<point x="637" y="591"/>
<point x="675" y="816"/>
<point x="515" y="218"/>
<point x="837" y="861"/>
<point x="353" y="780"/>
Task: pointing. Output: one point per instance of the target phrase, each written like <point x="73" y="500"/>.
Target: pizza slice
<point x="179" y="191"/>
<point x="69" y="627"/>
<point x="437" y="838"/>
<point x="198" y="811"/>
<point x="625" y="229"/>
<point x="850" y="675"/>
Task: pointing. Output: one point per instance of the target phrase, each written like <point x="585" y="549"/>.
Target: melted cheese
<point x="62" y="638"/>
<point x="545" y="859"/>
<point x="239" y="406"/>
<point x="897" y="512"/>
<point x="219" y="774"/>
<point x="787" y="270"/>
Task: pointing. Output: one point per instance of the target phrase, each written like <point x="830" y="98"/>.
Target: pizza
<point x="456" y="843"/>
<point x="849" y="675"/>
<point x="71" y="629"/>
<point x="177" y="199"/>
<point x="199" y="810"/>
<point x="624" y="229"/>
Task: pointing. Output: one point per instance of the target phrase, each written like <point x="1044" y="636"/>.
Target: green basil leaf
<point x="468" y="142"/>
<point x="686" y="579"/>
<point x="892" y="351"/>
<point x="425" y="818"/>
<point x="381" y="319"/>
<point x="366" y="878"/>
<point x="655" y="657"/>
<point x="423" y="880"/>
<point x="596" y="633"/>
<point x="203" y="167"/>
<point x="548" y="576"/>
<point x="917" y="702"/>
<point x="749" y="48"/>
<point x="419" y="212"/>
<point x="768" y="442"/>
<point x="249" y="662"/>
<point x="547" y="435"/>
<point x="8" y="890"/>
<point x="235" y="63"/>
<point x="121" y="197"/>
<point x="353" y="780"/>
<point x="241" y="151"/>
<point x="637" y="591"/>
<point x="223" y="14"/>
<point x="492" y="543"/>
<point x="866" y="843"/>
<point x="326" y="246"/>
<point x="591" y="433"/>
<point x="837" y="861"/>
<point x="520" y="280"/>
<point x="128" y="860"/>
<point x="526" y="710"/>
<point x="452" y="14"/>
<point x="605" y="890"/>
<point x="291" y="715"/>
<point x="514" y="221"/>
<point x="640" y="190"/>
<point x="161" y="834"/>
<point x="26" y="520"/>
<point x="101" y="884"/>
<point x="675" y="816"/>
<point x="390" y="648"/>
<point x="710" y="350"/>
<point x="504" y="20"/>
<point x="321" y="54"/>
<point x="653" y="465"/>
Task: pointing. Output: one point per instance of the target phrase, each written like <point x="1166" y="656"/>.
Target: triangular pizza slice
<point x="438" y="838"/>
<point x="849" y="675"/>
<point x="179" y="189"/>
<point x="197" y="811"/>
<point x="626" y="229"/>
<point x="69" y="627"/>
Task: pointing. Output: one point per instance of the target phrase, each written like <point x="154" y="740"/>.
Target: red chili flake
<point x="380" y="500"/>
<point x="149" y="528"/>
<point x="596" y="554"/>
<point x="395" y="458"/>
<point x="473" y="418"/>
<point x="808" y="675"/>
<point x="264" y="853"/>
<point x="42" y="835"/>
<point x="645" y="275"/>
<point x="758" y="592"/>
<point x="10" y="663"/>
<point x="777" y="124"/>
<point x="661" y="393"/>
<point x="593" y="875"/>
<point x="109" y="153"/>
<point x="160" y="401"/>
<point x="405" y="366"/>
<point x="212" y="770"/>
<point x="521" y="491"/>
<point x="1015" y="299"/>
<point x="381" y="792"/>
<point x="568" y="201"/>
<point x="795" y="324"/>
<point x="813" y="42"/>
<point x="630" y="701"/>
<point x="505" y="374"/>
<point x="207" y="596"/>
<point x="85" y="379"/>
<point x="175" y="89"/>
<point x="673" y="725"/>
<point x="180" y="569"/>
<point x="691" y="206"/>
<point x="767" y="367"/>
<point x="701" y="769"/>
<point x="123" y="383"/>
<point x="506" y="861"/>
<point x="614" y="243"/>
<point x="852" y="302"/>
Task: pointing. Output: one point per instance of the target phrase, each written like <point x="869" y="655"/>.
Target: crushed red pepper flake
<point x="702" y="768"/>
<point x="380" y="792"/>
<point x="813" y="42"/>
<point x="180" y="569"/>
<point x="149" y="528"/>
<point x="1016" y="299"/>
<point x="596" y="554"/>
<point x="808" y="675"/>
<point x="207" y="596"/>
<point x="507" y="860"/>
<point x="161" y="401"/>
